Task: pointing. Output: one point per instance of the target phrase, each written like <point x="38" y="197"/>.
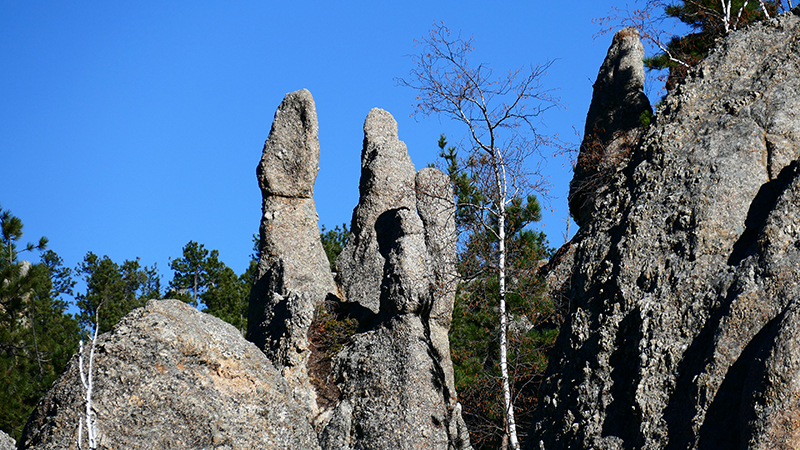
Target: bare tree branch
<point x="500" y="114"/>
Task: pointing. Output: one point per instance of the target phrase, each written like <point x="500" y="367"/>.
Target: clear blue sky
<point x="128" y="128"/>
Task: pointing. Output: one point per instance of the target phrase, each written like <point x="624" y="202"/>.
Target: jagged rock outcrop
<point x="613" y="121"/>
<point x="396" y="376"/>
<point x="683" y="287"/>
<point x="387" y="182"/>
<point x="293" y="276"/>
<point x="168" y="376"/>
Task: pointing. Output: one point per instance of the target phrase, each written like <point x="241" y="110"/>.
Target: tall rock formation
<point x="436" y="208"/>
<point x="170" y="377"/>
<point x="682" y="281"/>
<point x="293" y="276"/>
<point x="387" y="182"/>
<point x="396" y="376"/>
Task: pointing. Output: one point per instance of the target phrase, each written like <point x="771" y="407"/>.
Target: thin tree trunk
<point x="35" y="342"/>
<point x="511" y="427"/>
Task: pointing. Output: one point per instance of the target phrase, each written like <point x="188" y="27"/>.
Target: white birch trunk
<point x="764" y="8"/>
<point x="88" y="385"/>
<point x="501" y="275"/>
<point x="726" y="12"/>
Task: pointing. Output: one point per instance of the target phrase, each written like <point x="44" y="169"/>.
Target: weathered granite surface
<point x="7" y="442"/>
<point x="683" y="281"/>
<point x="170" y="377"/>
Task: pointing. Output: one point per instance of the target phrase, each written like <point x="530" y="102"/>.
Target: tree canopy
<point x="37" y="335"/>
<point x="113" y="290"/>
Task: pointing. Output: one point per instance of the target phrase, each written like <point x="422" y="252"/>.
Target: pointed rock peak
<point x="618" y="97"/>
<point x="380" y="126"/>
<point x="387" y="183"/>
<point x="624" y="65"/>
<point x="613" y="122"/>
<point x="293" y="274"/>
<point x="290" y="160"/>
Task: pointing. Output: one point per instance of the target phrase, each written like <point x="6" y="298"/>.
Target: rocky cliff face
<point x="169" y="376"/>
<point x="682" y="282"/>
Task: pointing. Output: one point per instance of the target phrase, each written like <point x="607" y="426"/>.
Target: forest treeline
<point x="43" y="317"/>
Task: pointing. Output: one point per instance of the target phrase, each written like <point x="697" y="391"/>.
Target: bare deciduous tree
<point x="87" y="379"/>
<point x="671" y="46"/>
<point x="501" y="114"/>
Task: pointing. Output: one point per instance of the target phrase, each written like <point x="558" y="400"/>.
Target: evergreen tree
<point x="37" y="335"/>
<point x="200" y="277"/>
<point x="333" y="241"/>
<point x="708" y="20"/>
<point x="194" y="272"/>
<point x="113" y="290"/>
<point x="228" y="295"/>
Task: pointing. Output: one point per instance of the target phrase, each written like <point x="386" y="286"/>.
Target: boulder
<point x="169" y="376"/>
<point x="7" y="442"/>
<point x="293" y="276"/>
<point x="682" y="283"/>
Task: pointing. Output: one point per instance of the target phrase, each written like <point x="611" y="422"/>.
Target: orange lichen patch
<point x="230" y="378"/>
<point x="133" y="400"/>
<point x="161" y="369"/>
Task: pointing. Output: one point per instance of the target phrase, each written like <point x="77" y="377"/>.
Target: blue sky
<point x="130" y="128"/>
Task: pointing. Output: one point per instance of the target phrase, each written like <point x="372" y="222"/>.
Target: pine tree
<point x="194" y="272"/>
<point x="114" y="289"/>
<point x="333" y="241"/>
<point x="228" y="295"/>
<point x="37" y="335"/>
